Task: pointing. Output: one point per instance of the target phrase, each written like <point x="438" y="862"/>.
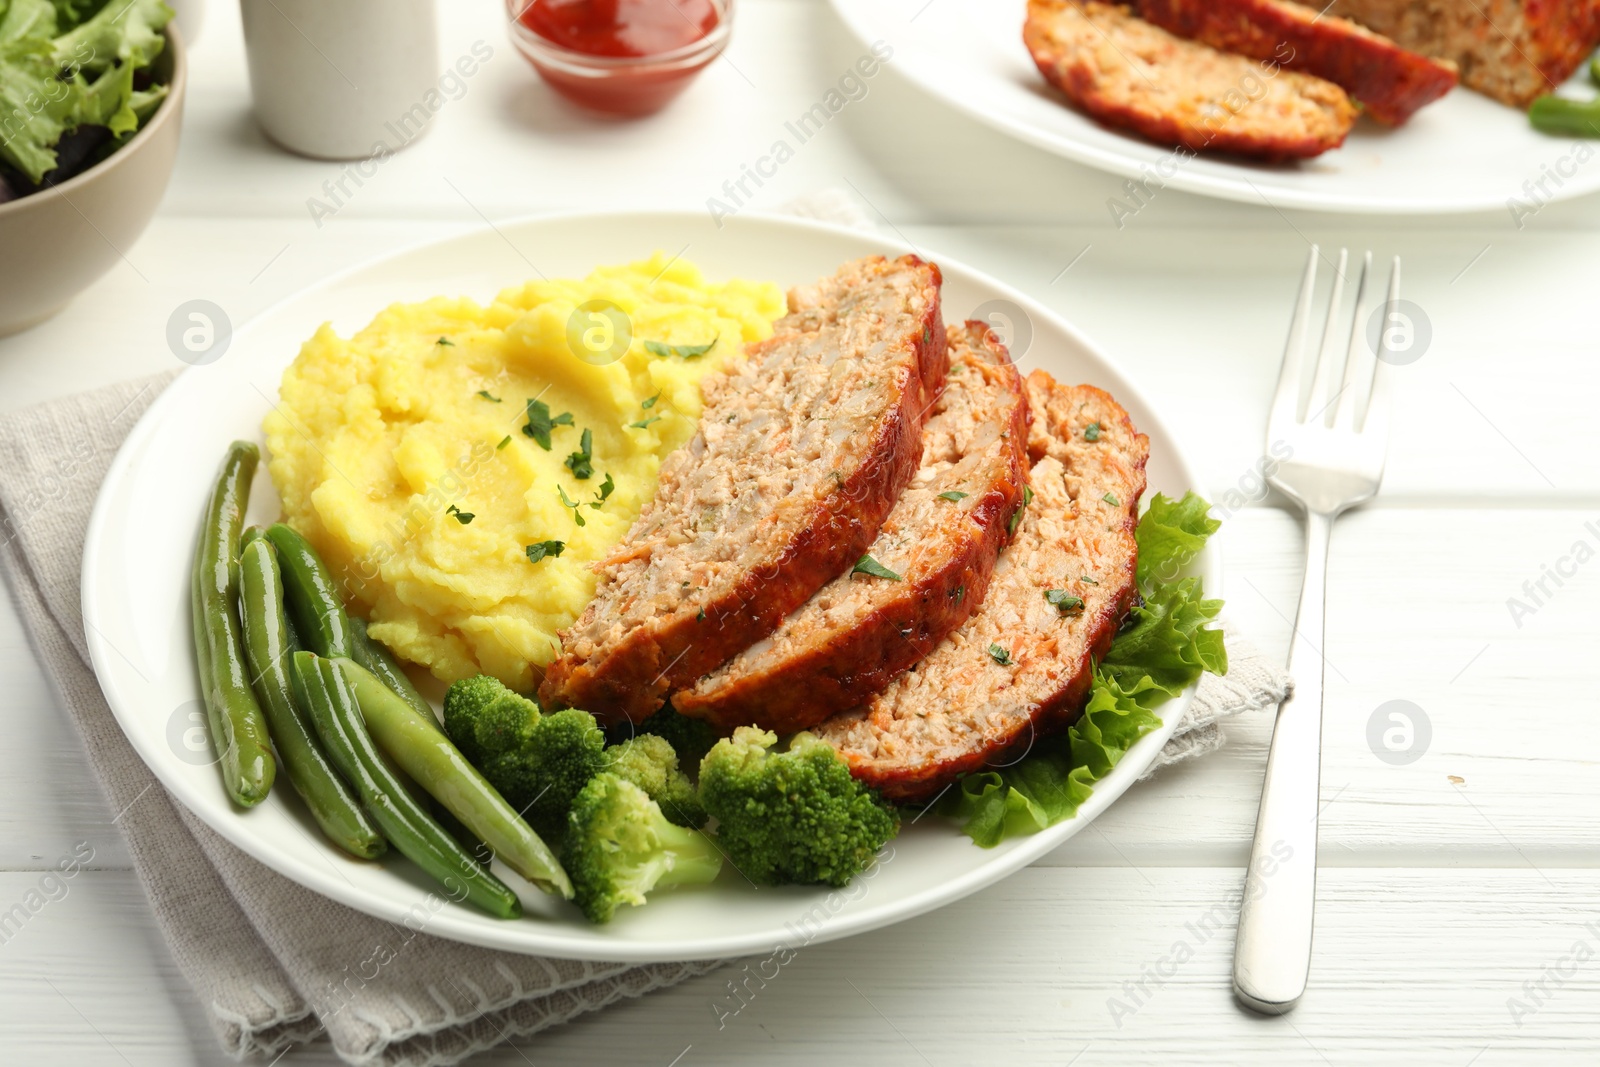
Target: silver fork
<point x="1336" y="428"/>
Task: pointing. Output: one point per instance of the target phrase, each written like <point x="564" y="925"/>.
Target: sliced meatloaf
<point x="1130" y="74"/>
<point x="1022" y="665"/>
<point x="1511" y="50"/>
<point x="1389" y="81"/>
<point x="860" y="630"/>
<point x="803" y="448"/>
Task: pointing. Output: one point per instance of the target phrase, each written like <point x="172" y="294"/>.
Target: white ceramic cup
<point x="342" y="79"/>
<point x="191" y="18"/>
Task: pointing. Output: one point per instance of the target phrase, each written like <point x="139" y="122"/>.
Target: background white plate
<point x="140" y="538"/>
<point x="1462" y="153"/>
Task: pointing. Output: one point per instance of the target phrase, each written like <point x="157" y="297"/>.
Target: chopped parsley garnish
<point x="544" y="549"/>
<point x="644" y="424"/>
<point x="579" y="462"/>
<point x="446" y="342"/>
<point x="506" y="440"/>
<point x="486" y="395"/>
<point x="959" y="593"/>
<point x="463" y="517"/>
<point x="953" y="495"/>
<point x="1092" y="432"/>
<point x="868" y="565"/>
<point x="1112" y="500"/>
<point x="1063" y="601"/>
<point x="1000" y="655"/>
<point x="577" y="508"/>
<point x="700" y="616"/>
<point x="661" y="348"/>
<point x="540" y="422"/>
<point x="1088" y="579"/>
<point x="1016" y="516"/>
<point x="650" y="402"/>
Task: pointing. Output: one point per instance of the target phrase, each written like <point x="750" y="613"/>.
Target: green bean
<point x="312" y="598"/>
<point x="374" y="658"/>
<point x="1566" y="118"/>
<point x="426" y="754"/>
<point x="316" y="612"/>
<point x="1594" y="70"/>
<point x="328" y="695"/>
<point x="267" y="647"/>
<point x="464" y="837"/>
<point x="238" y="729"/>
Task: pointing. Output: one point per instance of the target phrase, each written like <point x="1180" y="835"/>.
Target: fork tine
<point x="1382" y="402"/>
<point x="1286" y="400"/>
<point x="1357" y="375"/>
<point x="1320" y="400"/>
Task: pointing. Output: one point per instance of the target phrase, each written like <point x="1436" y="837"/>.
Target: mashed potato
<point x="403" y="453"/>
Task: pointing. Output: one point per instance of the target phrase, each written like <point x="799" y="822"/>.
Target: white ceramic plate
<point x="136" y="566"/>
<point x="1463" y="153"/>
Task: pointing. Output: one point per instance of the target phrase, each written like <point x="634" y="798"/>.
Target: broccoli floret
<point x="792" y="816"/>
<point x="484" y="718"/>
<point x="649" y="762"/>
<point x="619" y="846"/>
<point x="538" y="762"/>
<point x="690" y="738"/>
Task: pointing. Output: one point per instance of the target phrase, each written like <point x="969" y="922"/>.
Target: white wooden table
<point x="1448" y="884"/>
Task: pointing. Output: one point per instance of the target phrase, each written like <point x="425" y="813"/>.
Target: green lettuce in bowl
<point x="75" y="84"/>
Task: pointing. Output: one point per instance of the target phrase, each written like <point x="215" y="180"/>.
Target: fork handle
<point x="1272" y="954"/>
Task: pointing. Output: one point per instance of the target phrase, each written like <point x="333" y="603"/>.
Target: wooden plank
<point x="1411" y="967"/>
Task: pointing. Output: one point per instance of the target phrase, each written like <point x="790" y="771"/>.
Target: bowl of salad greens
<point x="91" y="103"/>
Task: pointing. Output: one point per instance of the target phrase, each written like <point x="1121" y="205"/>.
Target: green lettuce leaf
<point x="1160" y="652"/>
<point x="22" y="20"/>
<point x="1166" y="644"/>
<point x="70" y="13"/>
<point x="1172" y="533"/>
<point x="35" y="107"/>
<point x="124" y="31"/>
<point x="50" y="85"/>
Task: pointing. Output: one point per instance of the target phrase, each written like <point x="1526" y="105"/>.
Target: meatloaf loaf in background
<point x="859" y="631"/>
<point x="1021" y="666"/>
<point x="1512" y="50"/>
<point x="803" y="448"/>
<point x="1130" y="74"/>
<point x="1389" y="81"/>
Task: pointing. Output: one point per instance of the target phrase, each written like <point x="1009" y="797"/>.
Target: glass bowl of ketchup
<point x="622" y="57"/>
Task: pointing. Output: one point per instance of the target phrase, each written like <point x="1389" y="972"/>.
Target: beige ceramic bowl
<point x="53" y="244"/>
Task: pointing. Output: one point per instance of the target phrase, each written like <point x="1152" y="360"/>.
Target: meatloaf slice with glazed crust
<point x="1128" y="73"/>
<point x="1021" y="667"/>
<point x="942" y="539"/>
<point x="1389" y="81"/>
<point x="803" y="448"/>
<point x="1511" y="50"/>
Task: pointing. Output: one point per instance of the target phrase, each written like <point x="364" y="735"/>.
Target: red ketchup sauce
<point x="620" y="30"/>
